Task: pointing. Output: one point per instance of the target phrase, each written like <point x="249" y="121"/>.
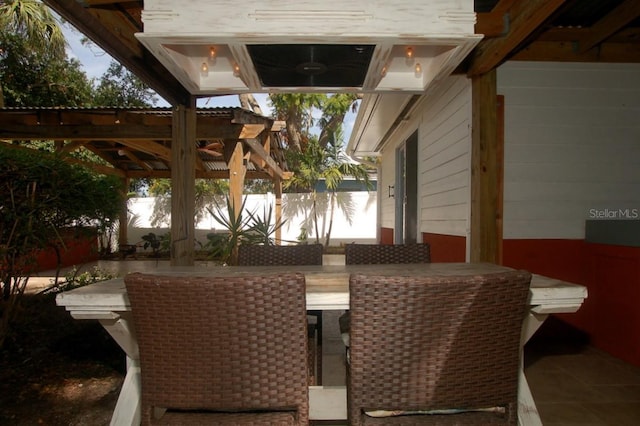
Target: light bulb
<point x="383" y="72"/>
<point x="409" y="53"/>
<point x="212" y="53"/>
<point x="204" y="67"/>
<point x="409" y="56"/>
<point x="418" y="69"/>
<point x="236" y="70"/>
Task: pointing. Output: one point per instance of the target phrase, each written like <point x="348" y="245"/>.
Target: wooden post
<point x="122" y="217"/>
<point x="237" y="172"/>
<point x="277" y="188"/>
<point x="183" y="175"/>
<point x="485" y="212"/>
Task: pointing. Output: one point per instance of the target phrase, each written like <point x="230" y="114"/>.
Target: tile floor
<point x="572" y="382"/>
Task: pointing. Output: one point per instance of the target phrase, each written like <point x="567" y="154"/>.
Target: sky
<point x="95" y="63"/>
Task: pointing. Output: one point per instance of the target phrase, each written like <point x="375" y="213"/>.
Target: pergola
<point x="533" y="30"/>
<point x="230" y="143"/>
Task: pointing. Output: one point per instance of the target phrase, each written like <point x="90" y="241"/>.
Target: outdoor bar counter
<point x="327" y="289"/>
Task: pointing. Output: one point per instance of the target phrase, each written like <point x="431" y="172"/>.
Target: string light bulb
<point x="418" y="69"/>
<point x="409" y="53"/>
<point x="204" y="68"/>
<point x="213" y="54"/>
<point x="409" y="56"/>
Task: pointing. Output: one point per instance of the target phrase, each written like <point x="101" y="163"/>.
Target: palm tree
<point x="32" y="20"/>
<point x="329" y="163"/>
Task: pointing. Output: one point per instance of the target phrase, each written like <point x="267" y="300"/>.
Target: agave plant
<point x="263" y="228"/>
<point x="237" y="226"/>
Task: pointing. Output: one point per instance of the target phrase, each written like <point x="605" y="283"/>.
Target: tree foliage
<point x="118" y="87"/>
<point x="40" y="78"/>
<point x="40" y="195"/>
<point x="32" y="23"/>
<point x="328" y="163"/>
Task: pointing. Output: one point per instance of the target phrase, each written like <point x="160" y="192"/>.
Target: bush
<point x="40" y="194"/>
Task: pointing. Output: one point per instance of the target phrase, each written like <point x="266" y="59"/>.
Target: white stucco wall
<point x="572" y="145"/>
<point x="354" y="219"/>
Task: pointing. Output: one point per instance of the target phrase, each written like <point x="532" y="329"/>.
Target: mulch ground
<point x="55" y="370"/>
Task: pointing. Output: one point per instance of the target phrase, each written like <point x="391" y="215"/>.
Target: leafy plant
<point x="237" y="226"/>
<point x="159" y="244"/>
<point x="262" y="228"/>
<point x="41" y="194"/>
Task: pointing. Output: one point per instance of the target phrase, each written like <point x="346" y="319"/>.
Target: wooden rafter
<point x="526" y="16"/>
<point x="610" y="24"/>
<point x="138" y="142"/>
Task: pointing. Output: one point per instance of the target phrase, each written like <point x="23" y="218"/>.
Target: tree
<point x="297" y="109"/>
<point x="118" y="87"/>
<point x="204" y="189"/>
<point x="330" y="164"/>
<point x="40" y="195"/>
<point x="32" y="21"/>
<point x="40" y="78"/>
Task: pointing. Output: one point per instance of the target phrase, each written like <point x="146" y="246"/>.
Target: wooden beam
<point x="259" y="150"/>
<point x="251" y="131"/>
<point x="137" y="59"/>
<point x="183" y="154"/>
<point x="484" y="170"/>
<point x="526" y="16"/>
<point x="83" y="132"/>
<point x="117" y="131"/>
<point x="626" y="12"/>
<point x="153" y="148"/>
<point x="200" y="174"/>
<point x="496" y="22"/>
<point x="566" y="52"/>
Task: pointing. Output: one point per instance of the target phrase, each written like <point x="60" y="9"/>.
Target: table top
<point x="327" y="285"/>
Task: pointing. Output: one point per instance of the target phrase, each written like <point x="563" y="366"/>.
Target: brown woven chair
<point x="372" y="254"/>
<point x="221" y="351"/>
<point x="369" y="254"/>
<point x="292" y="255"/>
<point x="420" y="344"/>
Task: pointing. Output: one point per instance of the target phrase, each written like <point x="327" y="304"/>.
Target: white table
<point x="327" y="289"/>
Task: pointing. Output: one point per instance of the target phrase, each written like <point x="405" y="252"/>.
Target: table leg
<point x="127" y="411"/>
<point x="527" y="411"/>
<point x="122" y="332"/>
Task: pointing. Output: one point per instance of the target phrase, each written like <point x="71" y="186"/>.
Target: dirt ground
<point x="55" y="370"/>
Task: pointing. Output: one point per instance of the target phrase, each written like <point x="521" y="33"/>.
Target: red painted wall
<point x="613" y="279"/>
<point x="386" y="235"/>
<point x="79" y="248"/>
<point x="610" y="314"/>
<point x="557" y="258"/>
<point x="446" y="248"/>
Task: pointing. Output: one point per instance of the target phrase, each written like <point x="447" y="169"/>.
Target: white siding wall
<point x="444" y="144"/>
<point x="386" y="178"/>
<point x="445" y="158"/>
<point x="572" y="145"/>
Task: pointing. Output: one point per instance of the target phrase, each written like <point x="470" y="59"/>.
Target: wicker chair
<point x="372" y="254"/>
<point x="292" y="255"/>
<point x="215" y="350"/>
<point x="369" y="254"/>
<point x="420" y="344"/>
